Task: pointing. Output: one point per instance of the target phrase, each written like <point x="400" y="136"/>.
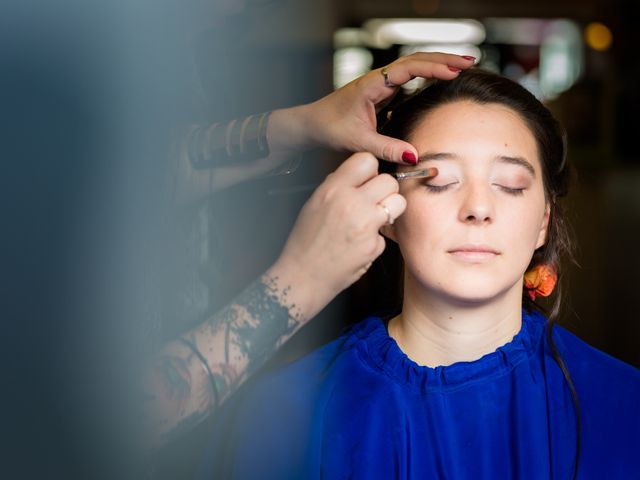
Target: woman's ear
<point x="544" y="228"/>
<point x="388" y="231"/>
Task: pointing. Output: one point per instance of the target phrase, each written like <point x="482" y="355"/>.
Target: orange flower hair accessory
<point x="540" y="280"/>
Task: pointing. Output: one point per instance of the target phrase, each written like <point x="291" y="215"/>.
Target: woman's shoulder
<point x="608" y="395"/>
<point x="592" y="356"/>
<point x="597" y="372"/>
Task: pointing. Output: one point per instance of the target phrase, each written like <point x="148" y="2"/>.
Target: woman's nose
<point x="477" y="204"/>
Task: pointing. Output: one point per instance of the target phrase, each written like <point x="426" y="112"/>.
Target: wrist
<point x="291" y="130"/>
<point x="305" y="289"/>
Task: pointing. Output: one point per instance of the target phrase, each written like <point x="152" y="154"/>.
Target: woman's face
<point x="469" y="233"/>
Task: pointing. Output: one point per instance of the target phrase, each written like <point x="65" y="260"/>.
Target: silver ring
<point x="386" y="210"/>
<point x="385" y="74"/>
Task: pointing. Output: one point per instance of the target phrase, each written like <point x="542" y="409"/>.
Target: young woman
<point x="470" y="380"/>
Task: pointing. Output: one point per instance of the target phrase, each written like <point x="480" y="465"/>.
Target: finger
<point x="440" y="57"/>
<point x="395" y="206"/>
<point x="356" y="170"/>
<point x="443" y="66"/>
<point x="388" y="148"/>
<point x="379" y="188"/>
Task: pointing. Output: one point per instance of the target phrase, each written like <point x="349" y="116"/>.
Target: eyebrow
<point x="437" y="156"/>
<point x="521" y="161"/>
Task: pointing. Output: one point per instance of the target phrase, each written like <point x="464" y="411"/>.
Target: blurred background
<point x="86" y="89"/>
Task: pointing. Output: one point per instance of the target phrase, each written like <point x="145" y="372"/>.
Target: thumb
<point x="390" y="149"/>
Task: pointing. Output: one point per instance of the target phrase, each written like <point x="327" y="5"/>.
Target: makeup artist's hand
<point x="336" y="236"/>
<point x="346" y="118"/>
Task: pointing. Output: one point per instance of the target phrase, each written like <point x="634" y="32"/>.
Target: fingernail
<point x="455" y="69"/>
<point x="409" y="157"/>
<point x="469" y="57"/>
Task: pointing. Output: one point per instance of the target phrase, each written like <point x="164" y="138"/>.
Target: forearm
<point x="212" y="157"/>
<point x="234" y="343"/>
<point x="292" y="130"/>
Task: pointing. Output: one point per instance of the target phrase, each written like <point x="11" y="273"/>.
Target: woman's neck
<point x="432" y="331"/>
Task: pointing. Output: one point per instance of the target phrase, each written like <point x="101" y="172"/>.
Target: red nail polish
<point x="469" y="57"/>
<point x="455" y="69"/>
<point x="409" y="157"/>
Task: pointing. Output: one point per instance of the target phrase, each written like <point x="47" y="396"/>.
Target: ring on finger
<point x="385" y="74"/>
<point x="386" y="210"/>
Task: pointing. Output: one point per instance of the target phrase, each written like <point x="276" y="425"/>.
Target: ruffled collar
<point x="380" y="351"/>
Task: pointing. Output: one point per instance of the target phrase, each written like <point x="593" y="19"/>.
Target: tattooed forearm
<point x="174" y="374"/>
<point x="174" y="398"/>
<point x="234" y="343"/>
<point x="264" y="321"/>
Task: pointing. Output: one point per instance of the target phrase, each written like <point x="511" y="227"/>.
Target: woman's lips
<point x="474" y="253"/>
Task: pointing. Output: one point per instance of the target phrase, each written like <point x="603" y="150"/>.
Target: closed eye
<point x="439" y="188"/>
<point x="510" y="190"/>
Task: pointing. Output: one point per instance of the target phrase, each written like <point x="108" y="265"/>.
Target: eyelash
<point x="442" y="188"/>
<point x="511" y="191"/>
<point x="437" y="188"/>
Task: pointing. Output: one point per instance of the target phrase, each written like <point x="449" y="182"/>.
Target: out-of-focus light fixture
<point x="350" y="58"/>
<point x="350" y="37"/>
<point x="349" y="63"/>
<point x="387" y="32"/>
<point x="560" y="49"/>
<point x="454" y="48"/>
<point x="561" y="57"/>
<point x="598" y="36"/>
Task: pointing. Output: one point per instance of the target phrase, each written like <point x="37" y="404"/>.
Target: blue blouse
<point x="359" y="408"/>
